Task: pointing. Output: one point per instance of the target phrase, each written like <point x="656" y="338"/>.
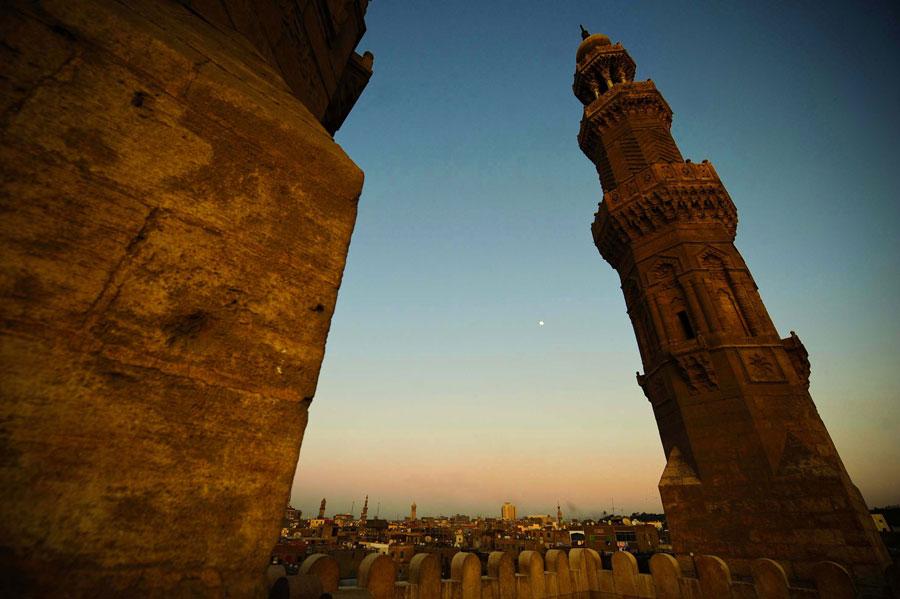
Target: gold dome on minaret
<point x="589" y="42"/>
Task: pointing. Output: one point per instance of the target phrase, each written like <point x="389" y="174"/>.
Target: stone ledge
<point x="661" y="195"/>
<point x="579" y="574"/>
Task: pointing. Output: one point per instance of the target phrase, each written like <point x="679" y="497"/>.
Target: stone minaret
<point x="412" y="511"/>
<point x="322" y="509"/>
<point x="751" y="470"/>
<point x="365" y="513"/>
<point x="558" y="514"/>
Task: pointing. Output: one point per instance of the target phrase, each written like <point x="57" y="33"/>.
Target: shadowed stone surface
<point x="622" y="582"/>
<point x="377" y="574"/>
<point x="770" y="579"/>
<point x="500" y="567"/>
<point x="174" y="224"/>
<point x="751" y="470"/>
<point x="466" y="569"/>
<point x="325" y="568"/>
<point x="425" y="573"/>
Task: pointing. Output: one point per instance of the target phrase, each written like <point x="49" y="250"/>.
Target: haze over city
<point x="440" y="386"/>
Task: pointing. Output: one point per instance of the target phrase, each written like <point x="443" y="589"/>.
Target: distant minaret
<point x="365" y="512"/>
<point x="322" y="509"/>
<point x="412" y="511"/>
<point x="558" y="514"/>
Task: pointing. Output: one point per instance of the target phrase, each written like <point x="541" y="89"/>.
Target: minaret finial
<point x="584" y="32"/>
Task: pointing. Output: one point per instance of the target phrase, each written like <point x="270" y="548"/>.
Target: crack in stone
<point x="198" y="66"/>
<point x="93" y="313"/>
<point x="15" y="107"/>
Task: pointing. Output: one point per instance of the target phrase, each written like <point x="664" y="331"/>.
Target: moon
<point x="540" y="323"/>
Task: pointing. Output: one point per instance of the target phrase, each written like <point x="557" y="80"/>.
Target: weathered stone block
<point x="174" y="228"/>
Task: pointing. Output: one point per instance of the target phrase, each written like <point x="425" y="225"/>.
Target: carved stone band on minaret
<point x="659" y="196"/>
<point x="634" y="98"/>
<point x="627" y="129"/>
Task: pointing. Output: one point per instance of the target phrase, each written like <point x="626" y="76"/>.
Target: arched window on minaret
<point x="684" y="324"/>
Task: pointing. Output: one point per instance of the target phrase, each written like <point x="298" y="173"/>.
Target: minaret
<point x="412" y="511"/>
<point x="365" y="513"/>
<point x="558" y="514"/>
<point x="751" y="470"/>
<point x="322" y="509"/>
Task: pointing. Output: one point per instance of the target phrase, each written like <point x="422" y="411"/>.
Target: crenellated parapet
<point x="560" y="574"/>
<point x="661" y="195"/>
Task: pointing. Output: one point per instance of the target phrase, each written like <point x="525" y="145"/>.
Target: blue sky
<point x="438" y="384"/>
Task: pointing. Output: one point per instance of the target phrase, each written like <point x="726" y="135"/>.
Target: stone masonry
<point x="751" y="470"/>
<point x="174" y="225"/>
<point x="576" y="574"/>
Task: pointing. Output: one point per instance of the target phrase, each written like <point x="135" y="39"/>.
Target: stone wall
<point x="174" y="227"/>
<point x="577" y="574"/>
<point x="310" y="43"/>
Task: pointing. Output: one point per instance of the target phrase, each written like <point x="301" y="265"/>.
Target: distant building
<point x="289" y="552"/>
<point x="613" y="537"/>
<point x="342" y="519"/>
<point x="401" y="553"/>
<point x="881" y="523"/>
<point x="552" y="537"/>
<point x="292" y="517"/>
<point x="508" y="511"/>
<point x="412" y="511"/>
<point x="382" y="548"/>
<point x="377" y="524"/>
<point x="459" y="519"/>
<point x="539" y="520"/>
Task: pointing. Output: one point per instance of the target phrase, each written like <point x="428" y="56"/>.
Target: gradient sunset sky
<point x="438" y="384"/>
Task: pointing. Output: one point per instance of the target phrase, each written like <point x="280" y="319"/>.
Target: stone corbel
<point x="696" y="368"/>
<point x="796" y="351"/>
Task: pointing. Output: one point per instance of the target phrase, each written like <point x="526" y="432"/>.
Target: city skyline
<point x="353" y="508"/>
<point x="474" y="228"/>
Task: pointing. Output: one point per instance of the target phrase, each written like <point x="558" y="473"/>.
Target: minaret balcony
<point x="601" y="66"/>
<point x="659" y="196"/>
